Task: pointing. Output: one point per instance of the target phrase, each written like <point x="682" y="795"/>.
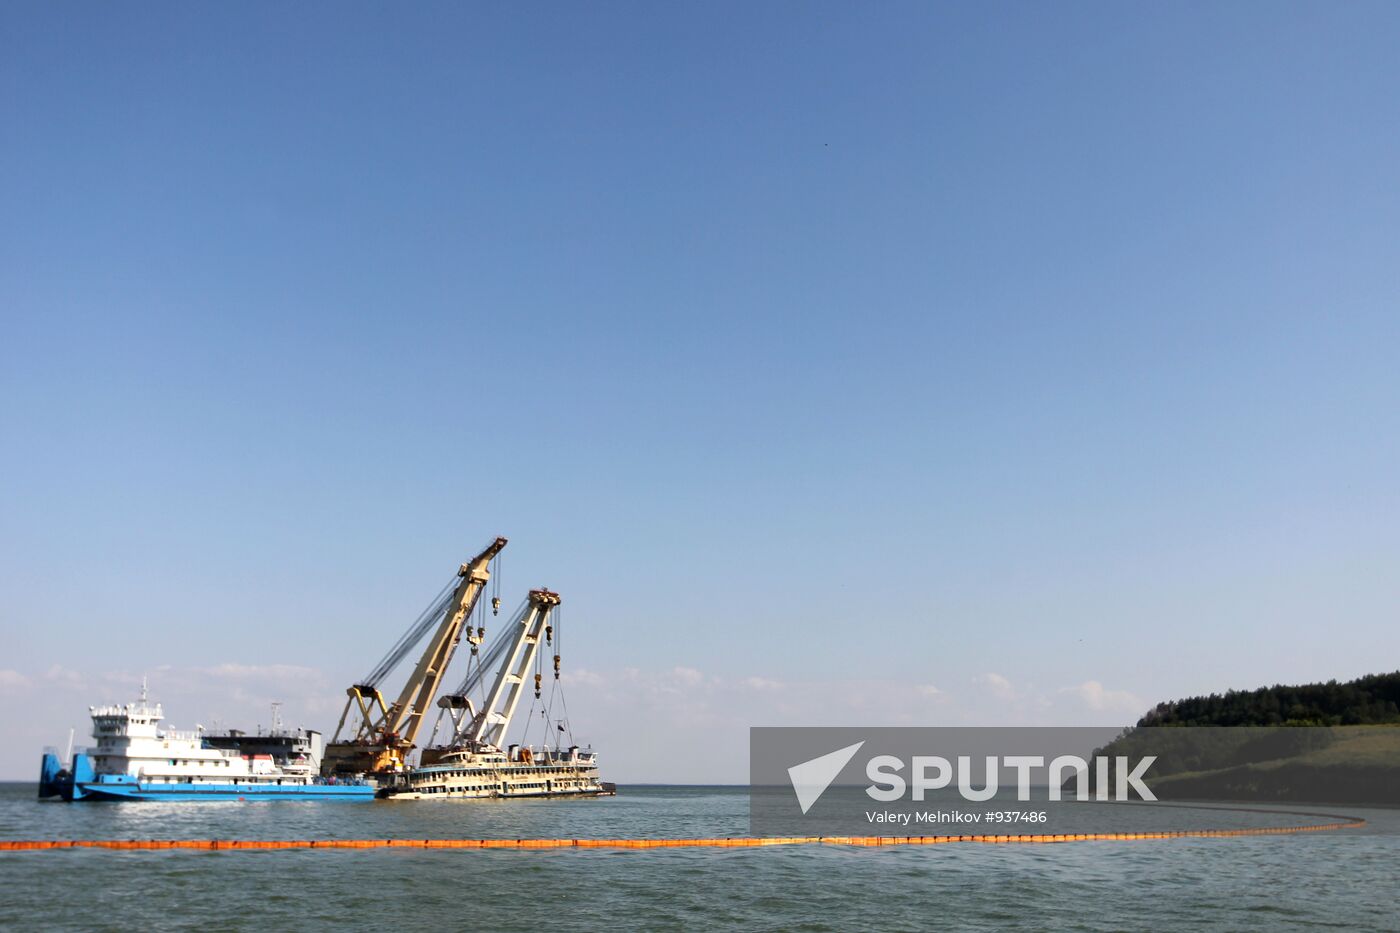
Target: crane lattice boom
<point x="486" y="729"/>
<point x="385" y="734"/>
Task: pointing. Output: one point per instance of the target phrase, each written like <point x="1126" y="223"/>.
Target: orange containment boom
<point x="12" y="845"/>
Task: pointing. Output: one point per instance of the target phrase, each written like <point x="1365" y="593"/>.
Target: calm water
<point x="1333" y="880"/>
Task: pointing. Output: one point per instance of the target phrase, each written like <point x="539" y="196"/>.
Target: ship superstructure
<point x="134" y="758"/>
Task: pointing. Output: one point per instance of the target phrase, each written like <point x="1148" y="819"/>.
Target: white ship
<point x="136" y="759"/>
<point x="521" y="773"/>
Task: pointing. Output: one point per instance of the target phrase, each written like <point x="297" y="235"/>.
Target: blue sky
<point x="933" y="363"/>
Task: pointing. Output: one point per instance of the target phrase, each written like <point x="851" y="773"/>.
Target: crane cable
<point x="415" y="632"/>
<point x="563" y="724"/>
<point x="568" y="726"/>
<point x="474" y="639"/>
<point x="496" y="585"/>
<point x="475" y="678"/>
<point x="558" y="638"/>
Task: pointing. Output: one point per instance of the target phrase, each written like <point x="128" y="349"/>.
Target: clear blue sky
<point x="835" y="362"/>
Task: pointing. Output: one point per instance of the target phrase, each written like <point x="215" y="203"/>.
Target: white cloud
<point x="230" y="693"/>
<point x="61" y="676"/>
<point x="687" y="676"/>
<point x="269" y="672"/>
<point x="630" y="712"/>
<point x="627" y="712"/>
<point x="1094" y="696"/>
<point x="583" y="676"/>
<point x="997" y="684"/>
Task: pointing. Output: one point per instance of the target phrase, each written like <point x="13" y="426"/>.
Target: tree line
<point x="1368" y="700"/>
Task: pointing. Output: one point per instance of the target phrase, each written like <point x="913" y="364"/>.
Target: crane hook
<point x="495" y="605"/>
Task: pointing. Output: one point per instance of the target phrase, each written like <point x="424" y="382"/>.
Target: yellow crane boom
<point x="406" y="715"/>
<point x="386" y="734"/>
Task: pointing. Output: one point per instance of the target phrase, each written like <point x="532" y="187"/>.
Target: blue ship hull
<point x="189" y="792"/>
<point x="82" y="784"/>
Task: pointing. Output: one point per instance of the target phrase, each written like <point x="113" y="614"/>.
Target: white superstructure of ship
<point x="519" y="772"/>
<point x="134" y="758"/>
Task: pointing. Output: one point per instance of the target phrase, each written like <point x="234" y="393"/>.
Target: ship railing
<point x="340" y="781"/>
<point x="563" y="757"/>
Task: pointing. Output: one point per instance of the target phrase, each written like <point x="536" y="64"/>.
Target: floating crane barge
<point x="474" y="761"/>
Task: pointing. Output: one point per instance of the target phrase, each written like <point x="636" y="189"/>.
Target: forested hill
<point x="1367" y="700"/>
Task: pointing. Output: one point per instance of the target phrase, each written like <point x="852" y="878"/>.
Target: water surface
<point x="1342" y="880"/>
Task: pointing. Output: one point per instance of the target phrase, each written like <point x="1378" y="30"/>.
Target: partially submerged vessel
<point x="522" y="772"/>
<point x="135" y="759"/>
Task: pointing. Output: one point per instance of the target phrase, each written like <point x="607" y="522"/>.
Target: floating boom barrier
<point x="740" y="842"/>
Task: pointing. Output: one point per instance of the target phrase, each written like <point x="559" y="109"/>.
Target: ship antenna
<point x="143" y="689"/>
